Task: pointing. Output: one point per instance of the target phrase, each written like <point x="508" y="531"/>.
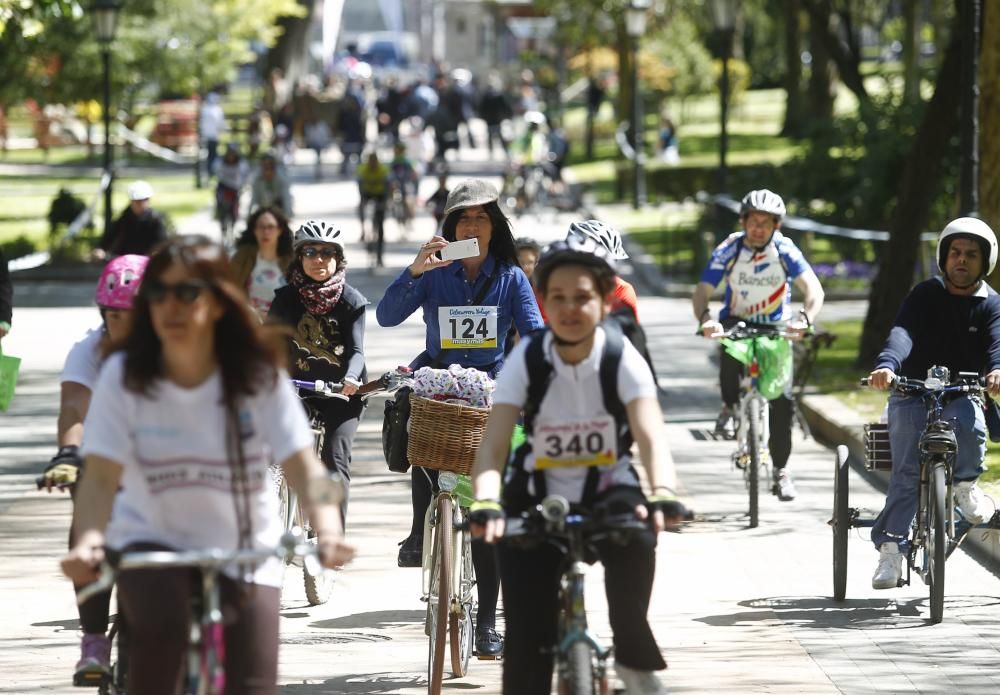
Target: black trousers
<point x="483" y="555"/>
<point x="530" y="580"/>
<point x="782" y="409"/>
<point x="340" y="423"/>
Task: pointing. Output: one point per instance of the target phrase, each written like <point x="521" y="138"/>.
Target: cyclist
<point x="493" y="282"/>
<point x="182" y="425"/>
<point x="576" y="278"/>
<point x="327" y="317"/>
<point x="439" y="199"/>
<point x="116" y="290"/>
<point x="270" y="187"/>
<point x="263" y="254"/>
<point x="528" y="252"/>
<point x="759" y="266"/>
<point x="623" y="294"/>
<point x="373" y="185"/>
<point x="402" y="173"/>
<point x="231" y="176"/>
<point x="951" y="321"/>
<point x="138" y="229"/>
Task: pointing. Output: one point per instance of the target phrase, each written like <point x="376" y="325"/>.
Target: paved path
<point x="734" y="610"/>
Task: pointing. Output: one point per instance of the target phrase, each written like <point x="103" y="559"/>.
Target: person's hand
<point x="426" y="260"/>
<point x="82" y="562"/>
<point x="797" y="328"/>
<point x="487" y="519"/>
<point x="333" y="550"/>
<point x="711" y="329"/>
<point x="4" y="328"/>
<point x="63" y="469"/>
<point x="667" y="512"/>
<point x="882" y="379"/>
<point x="349" y="389"/>
<point x="993" y="382"/>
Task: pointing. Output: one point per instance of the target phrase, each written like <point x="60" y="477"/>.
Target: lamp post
<point x="724" y="15"/>
<point x="105" y="23"/>
<point x="635" y="26"/>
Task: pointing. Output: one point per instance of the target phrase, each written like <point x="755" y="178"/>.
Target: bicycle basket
<point x="878" y="456"/>
<point x="444" y="436"/>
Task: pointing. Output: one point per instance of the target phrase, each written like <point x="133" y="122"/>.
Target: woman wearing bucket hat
<point x="493" y="282"/>
<point x="327" y="318"/>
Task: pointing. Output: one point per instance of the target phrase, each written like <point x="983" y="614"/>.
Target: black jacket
<point x="936" y="328"/>
<point x="329" y="347"/>
<point x="6" y="291"/>
<point x="133" y="234"/>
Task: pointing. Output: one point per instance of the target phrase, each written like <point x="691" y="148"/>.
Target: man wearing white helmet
<point x="759" y="266"/>
<point x="138" y="230"/>
<point x="949" y="321"/>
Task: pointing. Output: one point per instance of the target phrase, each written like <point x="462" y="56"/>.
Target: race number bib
<point x="589" y="442"/>
<point x="464" y="327"/>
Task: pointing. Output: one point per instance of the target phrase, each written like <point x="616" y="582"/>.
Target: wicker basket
<point x="444" y="436"/>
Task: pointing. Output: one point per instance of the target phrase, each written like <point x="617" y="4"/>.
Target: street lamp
<point x="635" y="26"/>
<point x="105" y="22"/>
<point x="724" y="15"/>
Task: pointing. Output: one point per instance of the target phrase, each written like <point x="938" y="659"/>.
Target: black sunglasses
<point x="185" y="292"/>
<point x="324" y="253"/>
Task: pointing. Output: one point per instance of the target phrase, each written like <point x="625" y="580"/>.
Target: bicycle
<point x="399" y="207"/>
<point x="580" y="658"/>
<point x="752" y="454"/>
<point x="937" y="532"/>
<point x="227" y="202"/>
<point x="376" y="245"/>
<point x="205" y="674"/>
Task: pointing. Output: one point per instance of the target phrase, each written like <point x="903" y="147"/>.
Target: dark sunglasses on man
<point x="325" y="253"/>
<point x="184" y="292"/>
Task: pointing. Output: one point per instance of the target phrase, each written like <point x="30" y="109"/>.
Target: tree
<point x="819" y="104"/>
<point x="921" y="177"/>
<point x="793" y="124"/>
<point x="989" y="121"/>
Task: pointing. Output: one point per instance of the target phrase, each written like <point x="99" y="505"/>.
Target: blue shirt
<point x="511" y="292"/>
<point x="758" y="283"/>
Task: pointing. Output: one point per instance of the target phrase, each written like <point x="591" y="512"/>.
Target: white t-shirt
<point x="176" y="474"/>
<point x="575" y="394"/>
<point x="265" y="278"/>
<point x="83" y="362"/>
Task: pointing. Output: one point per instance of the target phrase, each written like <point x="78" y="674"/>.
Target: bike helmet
<point x="968" y="228"/>
<point x="606" y="236"/>
<point x="317" y="232"/>
<point x="120" y="281"/>
<point x="763" y="200"/>
<point x="576" y="251"/>
<point x="140" y="190"/>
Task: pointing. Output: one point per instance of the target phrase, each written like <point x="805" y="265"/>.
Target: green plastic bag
<point x="774" y="359"/>
<point x="9" y="367"/>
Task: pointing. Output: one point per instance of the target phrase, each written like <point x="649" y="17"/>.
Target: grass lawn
<point x="835" y="374"/>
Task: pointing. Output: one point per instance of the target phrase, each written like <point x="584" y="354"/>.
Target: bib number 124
<point x="469" y="328"/>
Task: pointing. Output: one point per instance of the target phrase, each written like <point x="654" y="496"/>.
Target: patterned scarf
<point x="319" y="298"/>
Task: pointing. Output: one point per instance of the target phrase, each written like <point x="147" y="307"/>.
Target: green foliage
<point x="679" y="48"/>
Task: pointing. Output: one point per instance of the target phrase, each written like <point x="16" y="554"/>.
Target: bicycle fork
<point x="206" y="648"/>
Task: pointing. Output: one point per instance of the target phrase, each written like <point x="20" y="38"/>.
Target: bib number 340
<point x="589" y="442"/>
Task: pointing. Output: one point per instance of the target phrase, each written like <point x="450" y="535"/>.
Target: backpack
<point x="540" y="375"/>
<point x="624" y="319"/>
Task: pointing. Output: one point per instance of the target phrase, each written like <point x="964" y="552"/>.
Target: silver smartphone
<point x="457" y="250"/>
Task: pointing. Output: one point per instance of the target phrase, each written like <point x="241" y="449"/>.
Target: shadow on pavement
<point x="377" y="620"/>
<point x="374" y="684"/>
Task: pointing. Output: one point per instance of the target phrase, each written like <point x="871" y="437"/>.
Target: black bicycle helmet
<point x="576" y="251"/>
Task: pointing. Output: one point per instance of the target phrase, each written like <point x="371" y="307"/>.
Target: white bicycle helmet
<point x="575" y="250"/>
<point x="763" y="200"/>
<point x="968" y="228"/>
<point x="317" y="232"/>
<point x="606" y="236"/>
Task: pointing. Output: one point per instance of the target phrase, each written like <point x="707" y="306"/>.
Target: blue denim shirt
<point x="511" y="292"/>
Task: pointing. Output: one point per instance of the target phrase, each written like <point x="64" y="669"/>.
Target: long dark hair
<point x="248" y="238"/>
<point x="246" y="353"/>
<point x="502" y="238"/>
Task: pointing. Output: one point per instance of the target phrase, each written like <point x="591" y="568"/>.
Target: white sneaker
<point x="639" y="682"/>
<point x="974" y="505"/>
<point x="784" y="488"/>
<point x="890" y="567"/>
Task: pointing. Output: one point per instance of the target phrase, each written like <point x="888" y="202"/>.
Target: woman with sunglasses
<point x="263" y="254"/>
<point x="327" y="318"/>
<point x="116" y="290"/>
<point x="182" y="426"/>
<point x="492" y="282"/>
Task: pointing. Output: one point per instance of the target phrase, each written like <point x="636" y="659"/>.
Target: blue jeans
<point x="907" y="418"/>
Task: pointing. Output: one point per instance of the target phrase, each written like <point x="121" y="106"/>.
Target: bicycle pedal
<point x="91" y="679"/>
<point x="486" y="657"/>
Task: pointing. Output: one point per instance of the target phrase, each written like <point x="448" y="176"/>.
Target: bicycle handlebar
<point x="292" y="544"/>
<point x="326" y="389"/>
<point x="923" y="387"/>
<point x="552" y="519"/>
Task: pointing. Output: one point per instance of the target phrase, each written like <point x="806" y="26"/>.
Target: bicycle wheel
<point x="753" y="465"/>
<point x="937" y="540"/>
<point x="840" y="524"/>
<point x="439" y="599"/>
<point x="287" y="505"/>
<point x="576" y="675"/>
<point x="460" y="617"/>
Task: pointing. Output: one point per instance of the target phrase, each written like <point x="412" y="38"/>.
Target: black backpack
<point x="624" y="319"/>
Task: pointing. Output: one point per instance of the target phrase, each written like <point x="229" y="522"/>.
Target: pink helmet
<point x="120" y="281"/>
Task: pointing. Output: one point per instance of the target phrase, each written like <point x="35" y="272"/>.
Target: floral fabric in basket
<point x="456" y="383"/>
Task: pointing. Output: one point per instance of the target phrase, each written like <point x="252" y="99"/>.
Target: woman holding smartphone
<point x="491" y="287"/>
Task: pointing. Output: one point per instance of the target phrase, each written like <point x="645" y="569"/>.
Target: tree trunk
<point x="917" y="188"/>
<point x="820" y="103"/>
<point x="989" y="121"/>
<point x="291" y="52"/>
<point x="911" y="53"/>
<point x="841" y="45"/>
<point x="793" y="125"/>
